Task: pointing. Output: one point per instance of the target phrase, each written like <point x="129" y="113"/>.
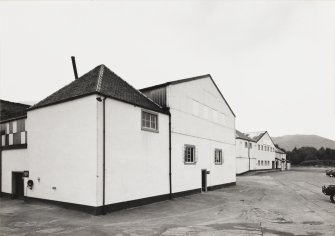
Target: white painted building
<point x="281" y="161"/>
<point x="203" y="127"/>
<point x="256" y="151"/>
<point x="13" y="149"/>
<point x="98" y="144"/>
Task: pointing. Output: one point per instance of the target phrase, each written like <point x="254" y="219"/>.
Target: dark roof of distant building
<point x="102" y="81"/>
<point x="187" y="80"/>
<point x="278" y="150"/>
<point x="256" y="136"/>
<point x="240" y="135"/>
<point x="12" y="110"/>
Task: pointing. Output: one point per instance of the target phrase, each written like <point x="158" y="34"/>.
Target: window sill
<point x="150" y="130"/>
<point x="190" y="163"/>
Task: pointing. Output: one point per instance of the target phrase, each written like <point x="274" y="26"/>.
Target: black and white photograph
<point x="167" y="117"/>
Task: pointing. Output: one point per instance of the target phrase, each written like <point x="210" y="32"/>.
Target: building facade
<point x="202" y="130"/>
<point x="99" y="145"/>
<point x="256" y="151"/>
<point x="13" y="150"/>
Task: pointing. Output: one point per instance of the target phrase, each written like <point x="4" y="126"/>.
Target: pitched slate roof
<point x="240" y="135"/>
<point x="101" y="80"/>
<point x="187" y="80"/>
<point x="256" y="136"/>
<point x="11" y="110"/>
<point x="278" y="150"/>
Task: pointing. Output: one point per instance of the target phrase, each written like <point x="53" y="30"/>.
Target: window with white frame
<point x="218" y="157"/>
<point x="189" y="154"/>
<point x="250" y="145"/>
<point x="259" y="162"/>
<point x="149" y="121"/>
<point x="245" y="144"/>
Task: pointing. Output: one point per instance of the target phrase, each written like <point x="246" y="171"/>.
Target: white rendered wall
<point x="137" y="161"/>
<point x="263" y="155"/>
<point x="242" y="156"/>
<point x="62" y="144"/>
<point x="200" y="117"/>
<point x="14" y="160"/>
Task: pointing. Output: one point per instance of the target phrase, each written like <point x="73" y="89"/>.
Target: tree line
<point x="311" y="156"/>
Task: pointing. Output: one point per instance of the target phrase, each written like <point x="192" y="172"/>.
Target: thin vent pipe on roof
<point x="74" y="67"/>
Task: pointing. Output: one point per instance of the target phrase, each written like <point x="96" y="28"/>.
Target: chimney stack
<point x="74" y="67"/>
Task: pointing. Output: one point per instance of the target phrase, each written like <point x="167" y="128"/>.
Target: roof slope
<point x="10" y="110"/>
<point x="103" y="81"/>
<point x="256" y="136"/>
<point x="278" y="150"/>
<point x="188" y="80"/>
<point x="241" y="135"/>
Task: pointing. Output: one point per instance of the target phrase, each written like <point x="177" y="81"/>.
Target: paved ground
<point x="277" y="203"/>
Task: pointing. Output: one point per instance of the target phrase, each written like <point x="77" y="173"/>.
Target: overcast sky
<point x="274" y="61"/>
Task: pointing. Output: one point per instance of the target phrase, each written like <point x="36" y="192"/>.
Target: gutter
<point x="249" y="154"/>
<point x="103" y="100"/>
<point x="170" y="167"/>
<point x="1" y="169"/>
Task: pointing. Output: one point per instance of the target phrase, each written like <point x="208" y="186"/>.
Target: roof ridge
<point x="101" y="73"/>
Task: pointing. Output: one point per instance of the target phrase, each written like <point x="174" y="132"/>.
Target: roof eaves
<point x="61" y="101"/>
<point x="175" y="82"/>
<point x="12" y="119"/>
<point x="159" y="109"/>
<point x="250" y="140"/>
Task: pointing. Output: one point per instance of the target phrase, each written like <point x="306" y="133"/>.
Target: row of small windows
<point x="13" y="133"/>
<point x="13" y="127"/>
<point x="260" y="147"/>
<point x="263" y="163"/>
<point x="190" y="155"/>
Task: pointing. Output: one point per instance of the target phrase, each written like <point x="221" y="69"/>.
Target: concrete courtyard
<point x="274" y="203"/>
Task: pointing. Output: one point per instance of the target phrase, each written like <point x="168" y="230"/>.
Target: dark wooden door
<point x="204" y="180"/>
<point x="18" y="185"/>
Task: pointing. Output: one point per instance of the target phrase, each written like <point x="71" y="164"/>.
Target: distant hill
<point x="288" y="142"/>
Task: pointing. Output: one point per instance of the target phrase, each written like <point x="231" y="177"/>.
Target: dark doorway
<point x="18" y="185"/>
<point x="204" y="180"/>
<point x="273" y="164"/>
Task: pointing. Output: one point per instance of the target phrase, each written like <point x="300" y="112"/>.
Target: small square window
<point x="189" y="154"/>
<point x="149" y="121"/>
<point x="218" y="157"/>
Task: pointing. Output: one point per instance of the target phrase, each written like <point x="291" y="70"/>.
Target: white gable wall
<point x="263" y="155"/>
<point x="62" y="145"/>
<point x="200" y="117"/>
<point x="242" y="156"/>
<point x="137" y="161"/>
